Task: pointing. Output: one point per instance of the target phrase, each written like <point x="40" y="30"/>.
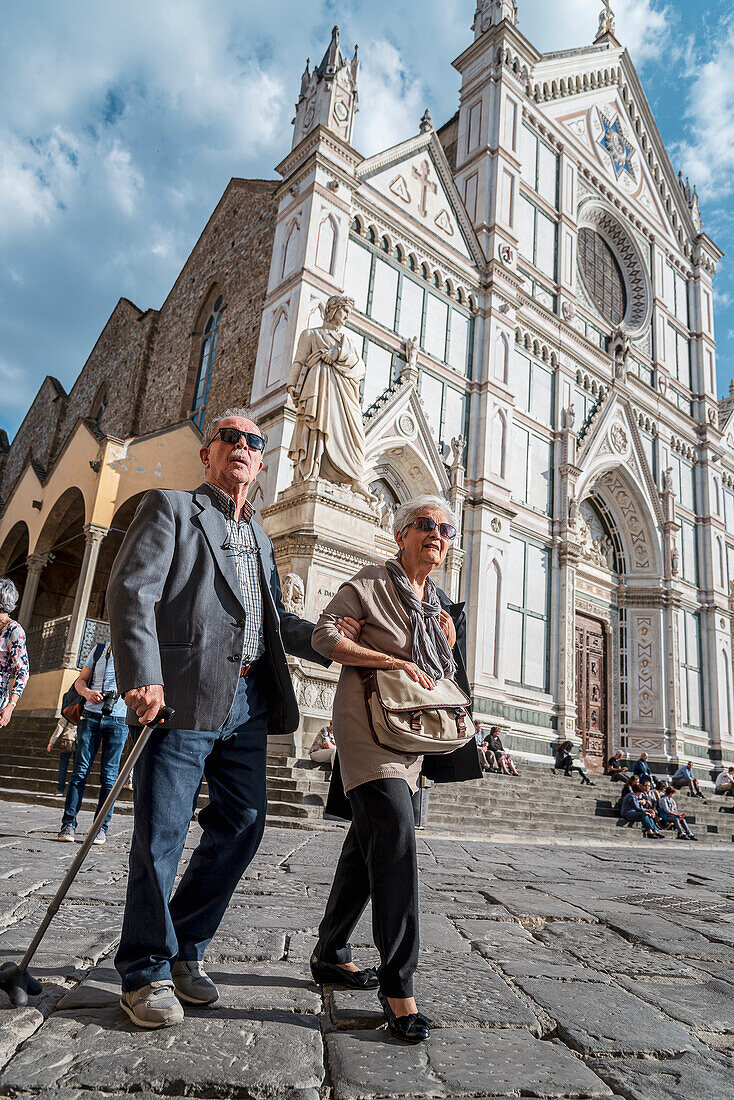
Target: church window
<point x="537" y="237"/>
<point x="475" y="122"/>
<point x="378" y="372"/>
<point x="434" y="340"/>
<point x="326" y="245"/>
<point x="602" y="276"/>
<point x="648" y="446"/>
<point x="679" y="356"/>
<point x="691" y="673"/>
<point x="501" y="357"/>
<point x="359" y="266"/>
<point x="459" y="341"/>
<point x="540" y="167"/>
<point x="684" y="482"/>
<point x="100" y="404"/>
<point x="384" y="293"/>
<point x="470" y="196"/>
<point x="690" y="554"/>
<point x="729" y="514"/>
<point x="525" y="640"/>
<point x="411" y="309"/>
<point x="444" y="406"/>
<point x="431" y="391"/>
<point x="206" y="364"/>
<point x="532" y="386"/>
<point x="531" y="469"/>
<point x="720" y="549"/>
<point x="677" y="296"/>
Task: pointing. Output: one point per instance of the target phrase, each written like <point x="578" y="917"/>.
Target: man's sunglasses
<point x="424" y="523"/>
<point x="233" y="435"/>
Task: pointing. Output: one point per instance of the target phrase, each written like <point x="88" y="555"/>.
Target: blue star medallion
<point x="614" y="143"/>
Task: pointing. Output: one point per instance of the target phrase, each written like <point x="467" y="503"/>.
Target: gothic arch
<point x="326" y="244"/>
<point x="499" y="443"/>
<point x="632" y="514"/>
<point x="502" y="358"/>
<point x="290" y="247"/>
<point x="279" y="332"/>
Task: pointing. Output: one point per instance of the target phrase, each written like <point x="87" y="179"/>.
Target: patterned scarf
<point x="431" y="650"/>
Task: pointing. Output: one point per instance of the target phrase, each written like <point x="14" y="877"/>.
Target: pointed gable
<point x="415" y="178"/>
<point x="397" y="432"/>
<point x="630" y="156"/>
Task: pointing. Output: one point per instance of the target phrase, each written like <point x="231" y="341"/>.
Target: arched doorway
<point x="13" y="555"/>
<point x="62" y="539"/>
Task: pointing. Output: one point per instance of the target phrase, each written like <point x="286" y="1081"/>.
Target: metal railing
<point x="46" y="643"/>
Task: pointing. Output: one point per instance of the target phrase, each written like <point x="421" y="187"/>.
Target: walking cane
<point x="15" y="979"/>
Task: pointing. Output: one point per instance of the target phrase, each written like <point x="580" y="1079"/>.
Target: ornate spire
<point x="605" y="33"/>
<point x="490" y="13"/>
<point x="328" y="94"/>
<point x="426" y="122"/>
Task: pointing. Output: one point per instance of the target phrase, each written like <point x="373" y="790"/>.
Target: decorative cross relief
<point x="426" y="186"/>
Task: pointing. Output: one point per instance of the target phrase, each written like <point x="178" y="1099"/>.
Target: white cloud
<point x="707" y="155"/>
<point x="643" y="26"/>
<point x="393" y="98"/>
<point x="125" y="182"/>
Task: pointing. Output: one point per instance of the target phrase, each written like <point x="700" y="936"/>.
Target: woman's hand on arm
<point x="351" y="653"/>
<point x="447" y="626"/>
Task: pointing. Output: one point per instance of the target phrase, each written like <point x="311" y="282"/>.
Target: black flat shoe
<point x="331" y="974"/>
<point x="410" y="1029"/>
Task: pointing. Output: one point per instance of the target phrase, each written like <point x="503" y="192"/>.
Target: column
<point x="93" y="538"/>
<point x="35" y="565"/>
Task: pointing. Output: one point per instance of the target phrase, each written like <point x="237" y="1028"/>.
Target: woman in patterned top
<point x="13" y="655"/>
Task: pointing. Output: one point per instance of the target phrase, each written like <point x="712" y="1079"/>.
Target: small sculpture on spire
<point x="426" y="122"/>
<point x="606" y="23"/>
<point x="305" y="79"/>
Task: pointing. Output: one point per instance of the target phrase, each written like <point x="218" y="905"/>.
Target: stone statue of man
<point x="328" y="439"/>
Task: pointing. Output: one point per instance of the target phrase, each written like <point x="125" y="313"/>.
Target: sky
<point x="122" y="124"/>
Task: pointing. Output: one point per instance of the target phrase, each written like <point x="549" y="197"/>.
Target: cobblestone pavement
<point x="582" y="971"/>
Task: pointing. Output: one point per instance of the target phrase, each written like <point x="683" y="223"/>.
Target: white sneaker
<point x="155" y="1005"/>
<point x="101" y="837"/>
<point x="66" y="833"/>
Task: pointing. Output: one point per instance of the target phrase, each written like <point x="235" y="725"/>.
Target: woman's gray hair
<point x="406" y="513"/>
<point x="9" y="595"/>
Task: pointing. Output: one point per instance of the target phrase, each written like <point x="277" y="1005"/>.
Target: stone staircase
<point x="539" y="805"/>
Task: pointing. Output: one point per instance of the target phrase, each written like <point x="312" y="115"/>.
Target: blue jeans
<point x="156" y="931"/>
<point x="64" y="761"/>
<point x="639" y="815"/>
<point x="93" y="731"/>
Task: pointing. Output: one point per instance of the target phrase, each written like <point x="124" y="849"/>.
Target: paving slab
<point x="687" y="1077"/>
<point x="17" y="1025"/>
<point x="703" y="1004"/>
<point x="367" y="1064"/>
<point x="531" y="904"/>
<point x="437" y="933"/>
<point x="275" y="1053"/>
<point x="235" y="940"/>
<point x="608" y="952"/>
<point x="604" y="1019"/>
<point x="464" y="993"/>
<point x="285" y="987"/>
<point x="664" y="935"/>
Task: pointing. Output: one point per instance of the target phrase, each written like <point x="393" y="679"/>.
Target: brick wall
<point x="146" y="361"/>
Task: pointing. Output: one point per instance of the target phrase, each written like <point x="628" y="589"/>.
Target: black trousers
<point x="378" y="861"/>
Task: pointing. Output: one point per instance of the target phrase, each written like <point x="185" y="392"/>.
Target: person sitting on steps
<point x="617" y="768"/>
<point x="632" y="810"/>
<point x="565" y="763"/>
<point x="670" y="814"/>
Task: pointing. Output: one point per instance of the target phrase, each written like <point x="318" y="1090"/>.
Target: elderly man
<point x="684" y="777"/>
<point x="198" y="623"/>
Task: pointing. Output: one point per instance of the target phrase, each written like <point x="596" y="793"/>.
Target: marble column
<point x="93" y="540"/>
<point x="35" y="565"/>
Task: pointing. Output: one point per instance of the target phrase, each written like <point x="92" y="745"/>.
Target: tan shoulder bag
<point x="408" y="718"/>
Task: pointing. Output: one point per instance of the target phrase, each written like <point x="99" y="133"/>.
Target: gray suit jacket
<point x="177" y="617"/>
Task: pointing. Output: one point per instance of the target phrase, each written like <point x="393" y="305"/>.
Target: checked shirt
<point x="242" y="546"/>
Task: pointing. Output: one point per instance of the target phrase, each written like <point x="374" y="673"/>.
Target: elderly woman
<point x="13" y="655"/>
<point x="404" y="627"/>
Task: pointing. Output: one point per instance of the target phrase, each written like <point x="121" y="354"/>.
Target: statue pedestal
<point x="322" y="535"/>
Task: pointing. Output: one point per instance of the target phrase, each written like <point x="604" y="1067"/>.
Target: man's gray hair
<point x="9" y="595"/>
<point x="241" y="414"/>
<point x="406" y="513"/>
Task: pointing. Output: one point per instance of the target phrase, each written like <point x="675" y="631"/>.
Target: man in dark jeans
<point x="102" y="724"/>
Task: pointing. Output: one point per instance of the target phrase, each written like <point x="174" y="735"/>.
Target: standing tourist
<point x="198" y="624"/>
<point x="13" y="656"/>
<point x="101" y="726"/>
<point x="404" y="627"/>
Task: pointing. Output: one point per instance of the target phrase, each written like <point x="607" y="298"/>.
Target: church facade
<point x="533" y="303"/>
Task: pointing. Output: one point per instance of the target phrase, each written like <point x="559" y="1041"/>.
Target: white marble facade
<point x="532" y="277"/>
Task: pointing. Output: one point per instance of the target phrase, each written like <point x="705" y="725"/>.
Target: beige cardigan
<point x="372" y="596"/>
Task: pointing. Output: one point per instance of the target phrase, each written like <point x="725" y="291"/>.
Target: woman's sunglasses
<point x="233" y="435"/>
<point x="424" y="523"/>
